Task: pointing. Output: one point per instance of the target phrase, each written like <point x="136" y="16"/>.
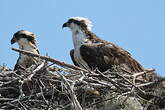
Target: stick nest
<point x="48" y="86"/>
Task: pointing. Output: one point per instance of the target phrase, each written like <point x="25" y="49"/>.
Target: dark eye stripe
<point x="71" y="20"/>
<point x="28" y="37"/>
<point x="80" y="23"/>
<point x="74" y="21"/>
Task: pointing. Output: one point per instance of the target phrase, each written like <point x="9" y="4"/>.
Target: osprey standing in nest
<point x="91" y="52"/>
<point x="26" y="41"/>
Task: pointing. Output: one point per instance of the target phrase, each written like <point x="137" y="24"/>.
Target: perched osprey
<point x="26" y="41"/>
<point x="91" y="52"/>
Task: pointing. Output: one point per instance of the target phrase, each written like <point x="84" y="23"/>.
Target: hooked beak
<point x="65" y="25"/>
<point x="13" y="40"/>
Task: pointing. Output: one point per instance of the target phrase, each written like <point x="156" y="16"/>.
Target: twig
<point x="131" y="83"/>
<point x="140" y="74"/>
<point x="22" y="105"/>
<point x="42" y="94"/>
<point x="35" y="71"/>
<point x="6" y="99"/>
<point x="70" y="88"/>
<point x="20" y="89"/>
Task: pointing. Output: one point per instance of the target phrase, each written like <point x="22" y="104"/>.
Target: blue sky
<point x="136" y="25"/>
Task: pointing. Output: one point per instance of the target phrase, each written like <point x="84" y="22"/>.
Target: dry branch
<point x="47" y="58"/>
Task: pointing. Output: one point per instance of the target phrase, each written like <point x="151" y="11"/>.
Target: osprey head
<point x="78" y="22"/>
<point x="22" y="37"/>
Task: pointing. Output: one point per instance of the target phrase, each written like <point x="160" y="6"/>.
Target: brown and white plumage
<point x="91" y="52"/>
<point x="26" y="41"/>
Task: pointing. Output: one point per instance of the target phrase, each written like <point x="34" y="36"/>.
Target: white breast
<point x="24" y="44"/>
<point x="24" y="57"/>
<point x="78" y="40"/>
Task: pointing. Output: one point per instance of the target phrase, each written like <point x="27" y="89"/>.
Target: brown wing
<point x="72" y="57"/>
<point x="16" y="66"/>
<point x="104" y="56"/>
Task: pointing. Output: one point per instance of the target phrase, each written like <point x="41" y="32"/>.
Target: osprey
<point x="91" y="52"/>
<point x="26" y="41"/>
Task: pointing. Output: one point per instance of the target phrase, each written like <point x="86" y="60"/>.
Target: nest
<point x="66" y="87"/>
